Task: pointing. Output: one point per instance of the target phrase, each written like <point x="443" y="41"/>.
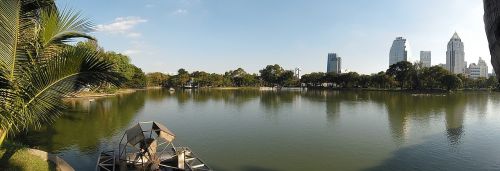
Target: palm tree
<point x="37" y="66"/>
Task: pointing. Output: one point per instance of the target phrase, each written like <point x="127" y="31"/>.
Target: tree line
<point x="402" y="75"/>
<point x="271" y="75"/>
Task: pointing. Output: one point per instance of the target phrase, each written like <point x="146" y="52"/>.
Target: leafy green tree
<point x="122" y="64"/>
<point x="216" y="80"/>
<point x="365" y="81"/>
<point x="402" y="72"/>
<point x="271" y="74"/>
<point x="492" y="82"/>
<point x="332" y="78"/>
<point x="250" y="80"/>
<point x="182" y="78"/>
<point x="431" y="77"/>
<point x="480" y="83"/>
<point x="287" y="78"/>
<point x="37" y="66"/>
<point x="466" y="82"/>
<point x="451" y="82"/>
<point x="237" y="77"/>
<point x="315" y="79"/>
<point x="156" y="79"/>
<point x="382" y="80"/>
<point x="201" y="78"/>
<point x="138" y="79"/>
<point x="349" y="80"/>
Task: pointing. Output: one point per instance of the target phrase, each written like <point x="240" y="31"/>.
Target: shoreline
<point x="133" y="90"/>
<point x="101" y="95"/>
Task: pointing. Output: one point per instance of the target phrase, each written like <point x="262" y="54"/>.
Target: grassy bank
<point x="16" y="157"/>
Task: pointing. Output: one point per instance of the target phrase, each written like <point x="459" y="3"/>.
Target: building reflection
<point x="454" y="116"/>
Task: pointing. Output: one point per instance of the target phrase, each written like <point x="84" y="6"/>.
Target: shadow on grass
<point x="10" y="154"/>
<point x="7" y="150"/>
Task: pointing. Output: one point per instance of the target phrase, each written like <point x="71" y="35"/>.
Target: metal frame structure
<point x="149" y="149"/>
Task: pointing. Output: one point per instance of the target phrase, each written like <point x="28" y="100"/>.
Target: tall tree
<point x="402" y="72"/>
<point x="157" y="79"/>
<point x="271" y="74"/>
<point x="451" y="82"/>
<point x="37" y="67"/>
<point x="431" y="76"/>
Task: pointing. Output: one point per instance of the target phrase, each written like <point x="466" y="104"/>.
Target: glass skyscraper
<point x="400" y="51"/>
<point x="334" y="63"/>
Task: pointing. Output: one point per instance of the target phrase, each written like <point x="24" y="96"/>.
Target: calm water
<point x="313" y="130"/>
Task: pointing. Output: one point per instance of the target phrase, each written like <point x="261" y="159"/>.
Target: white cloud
<point x="122" y="25"/>
<point x="180" y="12"/>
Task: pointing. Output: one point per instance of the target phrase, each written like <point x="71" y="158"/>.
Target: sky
<point x="221" y="35"/>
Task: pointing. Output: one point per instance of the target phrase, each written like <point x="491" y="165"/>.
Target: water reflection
<point x="273" y="101"/>
<point x="237" y="98"/>
<point x="87" y="123"/>
<point x="403" y="109"/>
<point x="363" y="127"/>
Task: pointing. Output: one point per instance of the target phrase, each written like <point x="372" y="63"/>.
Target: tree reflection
<point x="404" y="108"/>
<point x="275" y="100"/>
<point x="86" y="123"/>
<point x="237" y="98"/>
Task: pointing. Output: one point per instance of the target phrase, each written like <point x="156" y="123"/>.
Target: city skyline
<point x="205" y="35"/>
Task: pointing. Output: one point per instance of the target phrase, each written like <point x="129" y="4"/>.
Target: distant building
<point x="425" y="58"/>
<point x="455" y="55"/>
<point x="479" y="70"/>
<point x="400" y="51"/>
<point x="334" y="63"/>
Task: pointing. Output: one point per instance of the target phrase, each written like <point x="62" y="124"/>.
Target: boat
<point x="149" y="149"/>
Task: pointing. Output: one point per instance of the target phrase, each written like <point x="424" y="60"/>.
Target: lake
<point x="251" y="130"/>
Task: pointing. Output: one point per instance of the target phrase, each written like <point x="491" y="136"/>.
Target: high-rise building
<point x="334" y="63"/>
<point x="455" y="55"/>
<point x="478" y="70"/>
<point x="425" y="58"/>
<point x="400" y="51"/>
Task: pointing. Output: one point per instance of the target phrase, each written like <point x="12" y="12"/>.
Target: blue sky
<point x="221" y="35"/>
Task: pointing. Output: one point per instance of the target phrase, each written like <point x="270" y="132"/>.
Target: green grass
<point x="16" y="157"/>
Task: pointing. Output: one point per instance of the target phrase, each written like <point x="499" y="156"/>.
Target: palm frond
<point x="9" y="29"/>
<point x="61" y="27"/>
<point x="43" y="86"/>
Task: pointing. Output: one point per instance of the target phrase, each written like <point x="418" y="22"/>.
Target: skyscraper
<point x="400" y="51"/>
<point x="455" y="55"/>
<point x="425" y="58"/>
<point x="334" y="63"/>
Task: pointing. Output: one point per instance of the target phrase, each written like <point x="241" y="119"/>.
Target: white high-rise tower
<point x="400" y="51"/>
<point x="455" y="55"/>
